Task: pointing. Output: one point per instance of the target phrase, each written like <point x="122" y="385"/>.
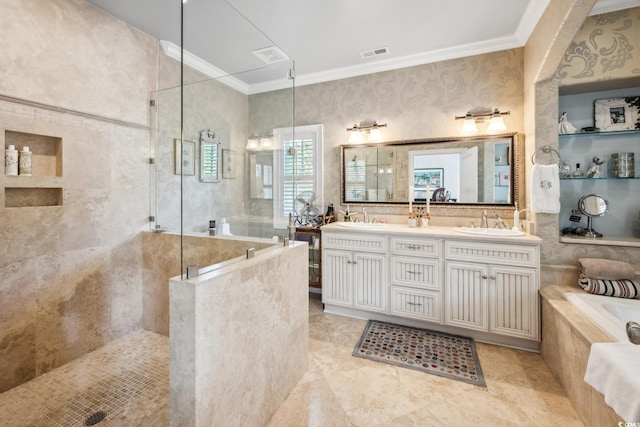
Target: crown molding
<point x="530" y="19"/>
<point x="455" y="52"/>
<point x="605" y="6"/>
<point x="173" y="51"/>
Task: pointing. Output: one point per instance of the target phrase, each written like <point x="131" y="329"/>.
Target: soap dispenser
<point x="24" y="161"/>
<point x="11" y="161"/>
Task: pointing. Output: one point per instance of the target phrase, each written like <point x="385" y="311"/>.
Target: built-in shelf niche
<point x="45" y="185"/>
<point x="46" y="151"/>
<point x="20" y="197"/>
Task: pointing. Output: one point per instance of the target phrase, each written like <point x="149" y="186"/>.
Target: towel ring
<point x="545" y="150"/>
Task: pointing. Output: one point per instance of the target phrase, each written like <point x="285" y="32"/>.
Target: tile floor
<point x="342" y="390"/>
<point x="128" y="379"/>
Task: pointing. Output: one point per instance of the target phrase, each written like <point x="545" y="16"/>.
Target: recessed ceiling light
<point x="270" y="55"/>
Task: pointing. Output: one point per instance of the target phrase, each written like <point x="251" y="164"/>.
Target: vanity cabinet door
<point x="513" y="301"/>
<point x="370" y="279"/>
<point x="336" y="277"/>
<point x="466" y="295"/>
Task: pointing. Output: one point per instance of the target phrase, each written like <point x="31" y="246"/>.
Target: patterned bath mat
<point x="437" y="353"/>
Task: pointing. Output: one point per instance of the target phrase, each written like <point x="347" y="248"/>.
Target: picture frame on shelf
<point x="185" y="157"/>
<point x="617" y="114"/>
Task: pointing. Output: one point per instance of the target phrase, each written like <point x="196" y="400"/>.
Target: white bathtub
<point x="610" y="314"/>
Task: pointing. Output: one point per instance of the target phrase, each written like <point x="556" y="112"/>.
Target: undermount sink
<point x="363" y="225"/>
<point x="489" y="231"/>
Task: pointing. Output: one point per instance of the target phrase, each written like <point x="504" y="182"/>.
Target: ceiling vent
<point x="374" y="52"/>
<point x="270" y="55"/>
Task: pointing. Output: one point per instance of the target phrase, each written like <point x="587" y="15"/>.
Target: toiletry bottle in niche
<point x="578" y="172"/>
<point x="24" y="161"/>
<point x="11" y="161"/>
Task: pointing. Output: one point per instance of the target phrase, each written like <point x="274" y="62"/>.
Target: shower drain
<point x="95" y="418"/>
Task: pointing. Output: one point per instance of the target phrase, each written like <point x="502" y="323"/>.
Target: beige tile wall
<point x="161" y="261"/>
<point x="239" y="340"/>
<point x="70" y="276"/>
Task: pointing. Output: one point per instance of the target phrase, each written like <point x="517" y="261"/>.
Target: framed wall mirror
<point x="209" y="156"/>
<point x="457" y="171"/>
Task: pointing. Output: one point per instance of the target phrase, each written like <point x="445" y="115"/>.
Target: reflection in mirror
<point x="261" y="175"/>
<point x="209" y="144"/>
<point x="461" y="171"/>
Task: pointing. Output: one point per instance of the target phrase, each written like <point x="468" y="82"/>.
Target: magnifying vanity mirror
<point x="592" y="205"/>
<point x="456" y="171"/>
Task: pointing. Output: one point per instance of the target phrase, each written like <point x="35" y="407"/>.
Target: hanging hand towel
<point x="545" y="189"/>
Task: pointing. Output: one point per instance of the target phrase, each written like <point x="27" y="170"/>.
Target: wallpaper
<point x="415" y="102"/>
<point x="604" y="49"/>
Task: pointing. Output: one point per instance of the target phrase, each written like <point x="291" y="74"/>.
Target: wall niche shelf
<point x="584" y="178"/>
<point x="564" y="136"/>
<point x="620" y="221"/>
<point x="45" y="186"/>
<point x="626" y="241"/>
<point x="18" y="197"/>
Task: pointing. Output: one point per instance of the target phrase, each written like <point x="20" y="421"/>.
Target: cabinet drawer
<point x="415" y="272"/>
<point x="526" y="256"/>
<point x="360" y="242"/>
<point x="415" y="247"/>
<point x="424" y="305"/>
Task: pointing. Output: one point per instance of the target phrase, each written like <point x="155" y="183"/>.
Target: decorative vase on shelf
<point x="24" y="161"/>
<point x="11" y="161"/>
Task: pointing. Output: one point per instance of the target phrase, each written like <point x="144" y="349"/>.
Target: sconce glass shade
<point x="496" y="124"/>
<point x="265" y="143"/>
<point x="355" y="137"/>
<point x="375" y="134"/>
<point x="469" y="126"/>
<point x="252" y="144"/>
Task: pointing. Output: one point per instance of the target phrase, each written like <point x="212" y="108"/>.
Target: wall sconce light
<point x="255" y="143"/>
<point x="496" y="122"/>
<point x="373" y="133"/>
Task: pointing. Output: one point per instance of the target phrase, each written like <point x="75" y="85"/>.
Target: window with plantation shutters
<point x="298" y="169"/>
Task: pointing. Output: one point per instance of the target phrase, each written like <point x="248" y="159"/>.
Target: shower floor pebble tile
<point x="128" y="379"/>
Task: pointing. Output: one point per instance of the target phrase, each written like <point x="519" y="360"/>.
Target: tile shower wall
<point x="70" y="276"/>
<point x="416" y="102"/>
<point x="160" y="263"/>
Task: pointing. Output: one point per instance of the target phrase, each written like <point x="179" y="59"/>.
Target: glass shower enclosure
<point x="213" y="165"/>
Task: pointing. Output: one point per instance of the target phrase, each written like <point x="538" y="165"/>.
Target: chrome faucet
<point x="484" y="223"/>
<point x="500" y="223"/>
<point x="365" y="215"/>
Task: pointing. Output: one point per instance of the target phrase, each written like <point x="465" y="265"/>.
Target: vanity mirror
<point x="457" y="171"/>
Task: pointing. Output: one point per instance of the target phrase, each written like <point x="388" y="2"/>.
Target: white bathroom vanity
<point x="483" y="286"/>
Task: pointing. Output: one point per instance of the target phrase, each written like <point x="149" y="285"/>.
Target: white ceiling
<point x="325" y="37"/>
